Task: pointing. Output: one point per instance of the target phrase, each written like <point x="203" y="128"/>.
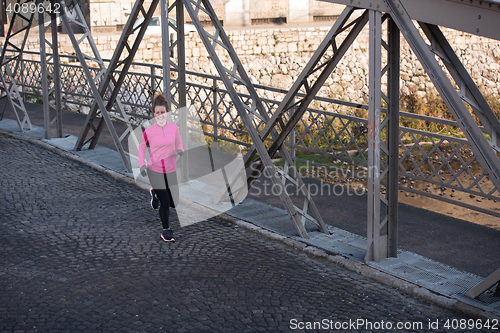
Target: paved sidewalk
<point x="81" y="252"/>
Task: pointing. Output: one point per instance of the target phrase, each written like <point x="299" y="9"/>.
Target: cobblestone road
<point x="81" y="252"/>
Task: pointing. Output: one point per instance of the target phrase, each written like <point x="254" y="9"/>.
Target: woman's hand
<point x="144" y="171"/>
<point x="179" y="151"/>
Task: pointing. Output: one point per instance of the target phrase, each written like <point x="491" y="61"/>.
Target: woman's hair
<point x="159" y="100"/>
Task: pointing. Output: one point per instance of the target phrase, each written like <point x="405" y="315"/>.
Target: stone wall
<point x="276" y="57"/>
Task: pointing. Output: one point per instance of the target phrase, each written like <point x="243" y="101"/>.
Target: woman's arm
<point x="142" y="149"/>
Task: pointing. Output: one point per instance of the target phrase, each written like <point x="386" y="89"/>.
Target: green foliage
<point x="35" y="97"/>
<point x="494" y="103"/>
<point x="433" y="106"/>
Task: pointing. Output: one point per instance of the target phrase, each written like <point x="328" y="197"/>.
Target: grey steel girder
<point x="179" y="85"/>
<point x="487" y="283"/>
<point x="297" y="109"/>
<point x="393" y="113"/>
<point x="54" y="76"/>
<point x="247" y="113"/>
<point x="289" y="103"/>
<point x="469" y="92"/>
<point x="10" y="55"/>
<point x="376" y="239"/>
<point x="109" y="80"/>
<point x="382" y="238"/>
<point x="479" y="17"/>
<point x="481" y="147"/>
<point x="109" y="87"/>
<point x="174" y="46"/>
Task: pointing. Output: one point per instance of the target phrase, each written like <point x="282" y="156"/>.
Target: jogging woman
<point x="164" y="141"/>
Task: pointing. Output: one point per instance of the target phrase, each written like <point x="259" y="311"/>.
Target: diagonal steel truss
<point x="109" y="86"/>
<point x="253" y="114"/>
<point x="467" y="89"/>
<point x="175" y="71"/>
<point x="10" y="58"/>
<point x="71" y="14"/>
<point x="483" y="286"/>
<point x="310" y="82"/>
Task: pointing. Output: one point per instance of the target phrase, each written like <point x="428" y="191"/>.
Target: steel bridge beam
<point x="295" y="110"/>
<point x="382" y="228"/>
<point x="177" y="87"/>
<point x="376" y="237"/>
<point x="469" y="92"/>
<point x="478" y="17"/>
<point x="54" y="76"/>
<point x="487" y="283"/>
<point x="12" y="53"/>
<point x="393" y="113"/>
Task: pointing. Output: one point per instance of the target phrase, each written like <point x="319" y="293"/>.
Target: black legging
<point x="167" y="195"/>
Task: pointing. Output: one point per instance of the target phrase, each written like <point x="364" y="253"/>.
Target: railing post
<point x="44" y="75"/>
<point x="215" y="110"/>
<point x="165" y="51"/>
<point x="23" y="79"/>
<point x="183" y="129"/>
<point x="182" y="88"/>
<point x="291" y="136"/>
<point x="153" y="79"/>
<point x="393" y="138"/>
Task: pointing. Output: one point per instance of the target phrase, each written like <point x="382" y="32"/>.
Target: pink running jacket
<point x="162" y="142"/>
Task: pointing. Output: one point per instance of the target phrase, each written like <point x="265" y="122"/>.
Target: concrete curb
<point x="360" y="268"/>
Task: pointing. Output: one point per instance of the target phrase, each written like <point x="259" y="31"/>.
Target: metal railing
<point x="430" y="164"/>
